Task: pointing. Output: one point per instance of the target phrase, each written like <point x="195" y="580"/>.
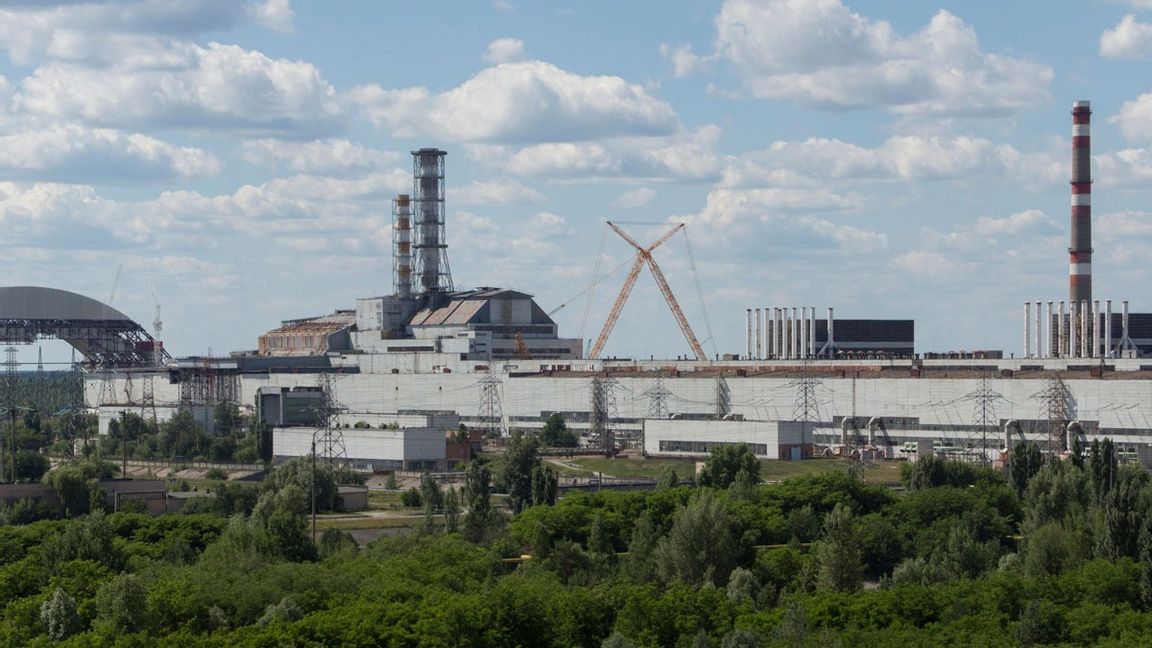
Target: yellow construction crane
<point x="644" y="257"/>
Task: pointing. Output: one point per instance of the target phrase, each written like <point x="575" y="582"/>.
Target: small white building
<point x="414" y="448"/>
<point x="696" y="438"/>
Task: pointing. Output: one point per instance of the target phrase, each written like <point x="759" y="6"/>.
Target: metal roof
<point x="36" y="303"/>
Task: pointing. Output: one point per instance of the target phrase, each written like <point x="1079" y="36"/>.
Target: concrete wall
<point x="403" y="449"/>
<point x="943" y="407"/>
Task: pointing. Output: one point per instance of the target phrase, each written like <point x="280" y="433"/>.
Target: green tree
<point x="283" y="612"/>
<point x="599" y="540"/>
<point x="59" y="615"/>
<point x="519" y="461"/>
<point x="1103" y="465"/>
<point x="545" y="485"/>
<point x="478" y="495"/>
<point x="31" y="466"/>
<point x="639" y="564"/>
<point x="432" y="497"/>
<point x="555" y="433"/>
<point x="743" y="587"/>
<point x="668" y="478"/>
<point x="838" y="555"/>
<point x="700" y="548"/>
<point x="121" y="603"/>
<point x="1023" y="463"/>
<point x="451" y="510"/>
<point x="726" y="462"/>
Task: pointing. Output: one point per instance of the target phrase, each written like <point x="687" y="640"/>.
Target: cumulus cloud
<point x="905" y="157"/>
<point x="1124" y="225"/>
<point x="1128" y="39"/>
<point x="505" y="50"/>
<point x="1013" y="224"/>
<point x="1135" y="118"/>
<point x="683" y="59"/>
<point x="77" y="154"/>
<point x="634" y="198"/>
<point x="683" y="156"/>
<point x="525" y="102"/>
<point x="725" y="208"/>
<point x="930" y="264"/>
<point x="218" y="87"/>
<point x="276" y="15"/>
<point x="30" y="30"/>
<point x="322" y="157"/>
<point x="820" y="52"/>
<point x="494" y="192"/>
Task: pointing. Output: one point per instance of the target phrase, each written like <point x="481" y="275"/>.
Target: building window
<point x="705" y="447"/>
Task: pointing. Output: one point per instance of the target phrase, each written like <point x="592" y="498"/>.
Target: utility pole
<point x="312" y="489"/>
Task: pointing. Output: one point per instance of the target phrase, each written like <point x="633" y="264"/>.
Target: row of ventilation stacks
<point x="1083" y="332"/>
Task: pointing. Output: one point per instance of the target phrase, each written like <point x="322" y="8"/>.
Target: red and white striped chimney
<point x="1080" y="253"/>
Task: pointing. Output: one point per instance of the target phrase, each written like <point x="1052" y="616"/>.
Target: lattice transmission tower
<point x="806" y="409"/>
<point x="1056" y="409"/>
<point x="328" y="439"/>
<point x="723" y="398"/>
<point x="658" y="399"/>
<point x="602" y="432"/>
<point x="984" y="414"/>
<point x="491" y="409"/>
<point x="11" y="385"/>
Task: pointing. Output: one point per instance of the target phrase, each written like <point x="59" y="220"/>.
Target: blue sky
<point x="891" y="159"/>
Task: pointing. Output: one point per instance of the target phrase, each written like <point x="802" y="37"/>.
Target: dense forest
<point x="1053" y="552"/>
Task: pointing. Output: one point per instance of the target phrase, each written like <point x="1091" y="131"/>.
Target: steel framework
<point x="491" y="412"/>
<point x="644" y="257"/>
<point x="601" y="431"/>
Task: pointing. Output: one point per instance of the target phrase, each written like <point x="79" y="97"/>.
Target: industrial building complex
<point x="380" y="383"/>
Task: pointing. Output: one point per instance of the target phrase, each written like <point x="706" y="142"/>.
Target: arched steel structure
<point x="105" y="336"/>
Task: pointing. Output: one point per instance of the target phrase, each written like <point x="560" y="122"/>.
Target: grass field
<point x="881" y="472"/>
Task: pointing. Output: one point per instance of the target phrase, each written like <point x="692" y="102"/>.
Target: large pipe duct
<point x="1061" y="333"/>
<point x="748" y="344"/>
<point x="812" y="334"/>
<point x="1108" y="347"/>
<point x="1039" y="332"/>
<point x="759" y="328"/>
<point x="794" y="352"/>
<point x="1027" y="329"/>
<point x="1096" y="332"/>
<point x="1050" y="338"/>
<point x="1080" y="252"/>
<point x="1085" y="321"/>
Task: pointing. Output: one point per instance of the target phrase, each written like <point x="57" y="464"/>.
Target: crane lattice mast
<point x="644" y="257"/>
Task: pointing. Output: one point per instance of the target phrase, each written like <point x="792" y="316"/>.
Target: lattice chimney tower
<point x="430" y="246"/>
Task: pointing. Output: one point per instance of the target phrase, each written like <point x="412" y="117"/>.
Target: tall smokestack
<point x="402" y="251"/>
<point x="1080" y="253"/>
<point x="430" y="246"/>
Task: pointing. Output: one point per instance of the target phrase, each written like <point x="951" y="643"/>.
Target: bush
<point x="216" y="474"/>
<point x="412" y="498"/>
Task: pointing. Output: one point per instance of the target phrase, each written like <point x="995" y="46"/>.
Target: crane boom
<point x="644" y="257"/>
<point x="676" y="312"/>
<point x="617" y="307"/>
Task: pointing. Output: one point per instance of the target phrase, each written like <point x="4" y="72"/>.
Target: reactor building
<point x="398" y="371"/>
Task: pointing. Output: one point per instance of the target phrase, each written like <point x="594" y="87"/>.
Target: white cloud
<point x="323" y="157"/>
<point x="218" y="87"/>
<point x="820" y="52"/>
<point x="684" y="60"/>
<point x="683" y="156"/>
<point x="276" y="15"/>
<point x="634" y="198"/>
<point x="909" y="157"/>
<point x="503" y="5"/>
<point x="1128" y="39"/>
<point x="494" y="192"/>
<point x="929" y="264"/>
<point x="78" y="154"/>
<point x="526" y="102"/>
<point x="1013" y="224"/>
<point x="1124" y="225"/>
<point x="1135" y="118"/>
<point x="31" y="30"/>
<point x="505" y="50"/>
<point x="727" y="207"/>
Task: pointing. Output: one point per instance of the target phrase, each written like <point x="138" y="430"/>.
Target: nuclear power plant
<point x="383" y="379"/>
